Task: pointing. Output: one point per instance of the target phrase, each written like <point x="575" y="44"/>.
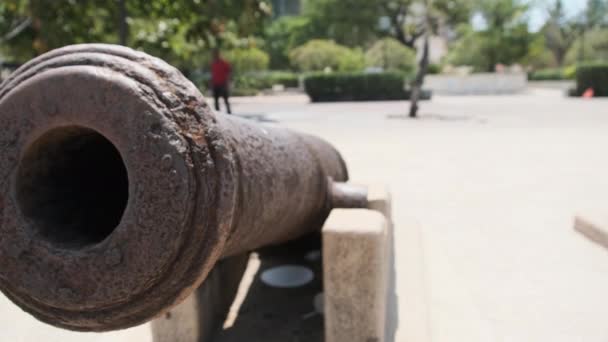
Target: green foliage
<point x="570" y="72"/>
<point x="52" y="24"/>
<point x="317" y="55"/>
<point x="593" y="76"/>
<point x="251" y="83"/>
<point x="355" y="86"/>
<point x="353" y="60"/>
<point x="505" y="39"/>
<point x="361" y="22"/>
<point x="559" y="33"/>
<point x="389" y="54"/>
<point x="284" y="34"/>
<point x="248" y="60"/>
<point x="434" y="69"/>
<point x="538" y="56"/>
<point x="593" y="46"/>
<point x="467" y="50"/>
<point x="351" y="23"/>
<point x="284" y="78"/>
<point x="596" y="13"/>
<point x="552" y="74"/>
<point x="177" y="31"/>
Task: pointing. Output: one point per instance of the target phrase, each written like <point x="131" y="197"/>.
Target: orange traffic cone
<point x="588" y="93"/>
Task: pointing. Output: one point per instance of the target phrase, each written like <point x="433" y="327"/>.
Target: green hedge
<point x="357" y="87"/>
<point x="266" y="80"/>
<point x="593" y="76"/>
<point x="552" y="74"/>
<point x="250" y="83"/>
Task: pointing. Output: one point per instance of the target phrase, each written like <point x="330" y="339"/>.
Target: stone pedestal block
<point x="199" y="317"/>
<point x="357" y="269"/>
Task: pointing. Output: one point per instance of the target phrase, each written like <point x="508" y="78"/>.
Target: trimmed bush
<point x="570" y="72"/>
<point x="319" y="54"/>
<point x="389" y="54"/>
<point x="284" y="78"/>
<point x="352" y="61"/>
<point x="593" y="76"/>
<point x="248" y="60"/>
<point x="357" y="87"/>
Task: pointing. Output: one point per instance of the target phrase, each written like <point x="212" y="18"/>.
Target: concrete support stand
<point x="358" y="272"/>
<point x="360" y="303"/>
<point x="594" y="227"/>
<point x="203" y="313"/>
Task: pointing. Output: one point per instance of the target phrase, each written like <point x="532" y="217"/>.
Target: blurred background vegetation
<point x="272" y="42"/>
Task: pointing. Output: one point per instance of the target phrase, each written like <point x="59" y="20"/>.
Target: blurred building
<point x="286" y="7"/>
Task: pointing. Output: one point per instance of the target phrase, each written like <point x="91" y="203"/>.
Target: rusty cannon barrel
<point x="120" y="188"/>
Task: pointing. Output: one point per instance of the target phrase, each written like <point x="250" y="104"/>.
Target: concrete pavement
<point x="493" y="184"/>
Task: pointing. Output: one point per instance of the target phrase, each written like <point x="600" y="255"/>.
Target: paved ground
<point x="493" y="183"/>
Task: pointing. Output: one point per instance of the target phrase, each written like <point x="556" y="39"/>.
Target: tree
<point x="595" y="47"/>
<point x="506" y="38"/>
<point x="283" y="35"/>
<point x="405" y="20"/>
<point x="593" y="17"/>
<point x="409" y="20"/>
<point x="51" y="24"/>
<point x="390" y="54"/>
<point x="173" y="30"/>
<point x="319" y="54"/>
<point x="359" y="22"/>
<point x="559" y="33"/>
<point x="596" y="13"/>
<point x="347" y="22"/>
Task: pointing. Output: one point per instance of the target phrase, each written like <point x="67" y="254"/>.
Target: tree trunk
<point x="423" y="65"/>
<point x="581" y="51"/>
<point x="419" y="80"/>
<point x="123" y="25"/>
<point x="559" y="57"/>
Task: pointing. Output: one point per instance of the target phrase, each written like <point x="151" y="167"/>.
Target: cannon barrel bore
<point x="120" y="188"/>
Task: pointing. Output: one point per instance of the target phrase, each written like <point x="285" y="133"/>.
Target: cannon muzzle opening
<point x="120" y="189"/>
<point x="73" y="186"/>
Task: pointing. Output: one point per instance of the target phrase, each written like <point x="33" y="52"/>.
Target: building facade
<point x="286" y="7"/>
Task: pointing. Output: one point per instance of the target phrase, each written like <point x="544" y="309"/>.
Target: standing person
<point x="220" y="76"/>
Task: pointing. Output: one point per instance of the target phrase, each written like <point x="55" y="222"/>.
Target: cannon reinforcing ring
<point x="125" y="124"/>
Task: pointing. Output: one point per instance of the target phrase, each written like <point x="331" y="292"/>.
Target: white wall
<point x="476" y="84"/>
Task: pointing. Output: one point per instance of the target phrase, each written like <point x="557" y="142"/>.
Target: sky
<point x="538" y="13"/>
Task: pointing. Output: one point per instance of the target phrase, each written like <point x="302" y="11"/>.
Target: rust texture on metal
<point x="120" y="188"/>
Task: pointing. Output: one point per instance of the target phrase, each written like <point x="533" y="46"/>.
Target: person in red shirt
<point x="220" y="77"/>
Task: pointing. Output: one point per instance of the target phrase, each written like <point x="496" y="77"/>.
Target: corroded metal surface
<point x="120" y="188"/>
